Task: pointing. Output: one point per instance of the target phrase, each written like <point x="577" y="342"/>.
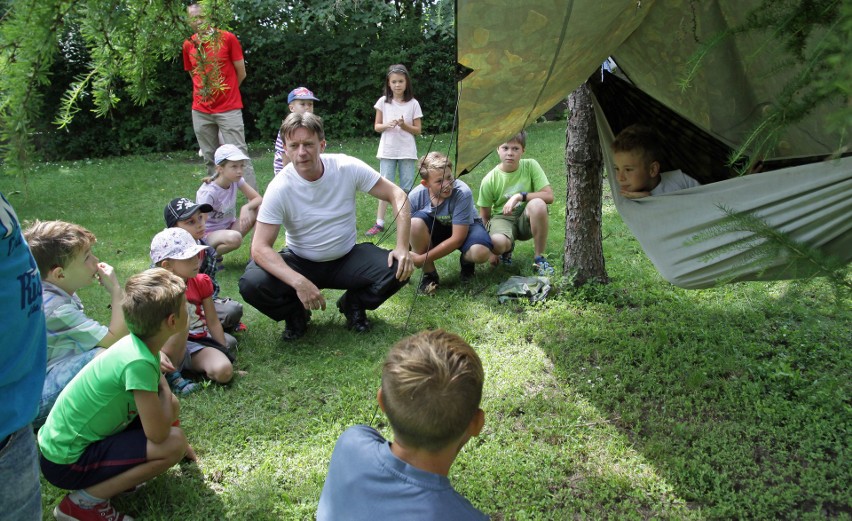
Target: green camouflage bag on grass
<point x="534" y="289"/>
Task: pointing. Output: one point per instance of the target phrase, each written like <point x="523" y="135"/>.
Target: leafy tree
<point x="108" y="72"/>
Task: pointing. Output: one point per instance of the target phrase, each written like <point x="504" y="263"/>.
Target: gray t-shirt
<point x="366" y="481"/>
<point x="458" y="208"/>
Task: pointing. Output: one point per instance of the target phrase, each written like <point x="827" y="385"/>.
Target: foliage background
<point x="340" y="50"/>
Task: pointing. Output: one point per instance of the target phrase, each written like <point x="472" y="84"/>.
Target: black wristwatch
<point x="523" y="196"/>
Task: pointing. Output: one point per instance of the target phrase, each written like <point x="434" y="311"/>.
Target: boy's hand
<point x="166" y="364"/>
<point x="419" y="259"/>
<point x="107" y="278"/>
<point x="635" y="195"/>
<point x="511" y="204"/>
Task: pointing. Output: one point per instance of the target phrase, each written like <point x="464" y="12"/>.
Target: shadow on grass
<point x="742" y="404"/>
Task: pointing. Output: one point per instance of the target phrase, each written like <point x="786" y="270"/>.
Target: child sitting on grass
<point x="63" y="252"/>
<point x="185" y="214"/>
<point x="444" y="219"/>
<point x="203" y="347"/>
<point x="431" y="389"/>
<point x="637" y="157"/>
<point x="513" y="199"/>
<point x="113" y="427"/>
<point x="224" y="231"/>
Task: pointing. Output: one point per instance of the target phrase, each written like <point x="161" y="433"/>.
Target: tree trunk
<point x="583" y="259"/>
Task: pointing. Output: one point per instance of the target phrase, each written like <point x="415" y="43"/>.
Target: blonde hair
<point x="149" y="298"/>
<point x="307" y="120"/>
<point x="55" y="243"/>
<point x="433" y="161"/>
<point x="431" y="388"/>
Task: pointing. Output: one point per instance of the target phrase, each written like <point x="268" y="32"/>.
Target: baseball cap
<point x="181" y="209"/>
<point x="301" y="93"/>
<point x="228" y="152"/>
<point x="174" y="243"/>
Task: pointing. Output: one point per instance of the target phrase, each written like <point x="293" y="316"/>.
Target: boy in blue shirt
<point x="444" y="219"/>
<point x="431" y="390"/>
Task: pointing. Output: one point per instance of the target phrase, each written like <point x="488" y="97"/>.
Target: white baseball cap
<point x="228" y="152"/>
<point x="174" y="243"/>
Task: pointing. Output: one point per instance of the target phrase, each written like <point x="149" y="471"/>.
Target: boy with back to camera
<point x="185" y="214"/>
<point x="300" y="100"/>
<point x="203" y="347"/>
<point x="63" y="252"/>
<point x="637" y="157"/>
<point x="114" y="426"/>
<point x="513" y="199"/>
<point x="431" y="389"/>
<point x="444" y="219"/>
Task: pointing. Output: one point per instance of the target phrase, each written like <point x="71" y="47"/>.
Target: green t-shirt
<point x="99" y="401"/>
<point x="498" y="186"/>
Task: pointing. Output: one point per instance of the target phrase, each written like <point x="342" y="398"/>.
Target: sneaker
<point x="542" y="267"/>
<point x="429" y="283"/>
<point x="296" y="326"/>
<point x="506" y="259"/>
<point x="375" y="230"/>
<point x="468" y="270"/>
<point x="67" y="510"/>
<point x="179" y="384"/>
<point x="241" y="328"/>
<point x="356" y="319"/>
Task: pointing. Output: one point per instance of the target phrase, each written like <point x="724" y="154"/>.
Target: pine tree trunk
<point x="583" y="259"/>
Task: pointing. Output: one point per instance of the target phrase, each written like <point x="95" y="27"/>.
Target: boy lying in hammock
<point x="637" y="157"/>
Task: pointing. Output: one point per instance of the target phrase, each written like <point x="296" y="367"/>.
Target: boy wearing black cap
<point x="301" y="100"/>
<point x="184" y="213"/>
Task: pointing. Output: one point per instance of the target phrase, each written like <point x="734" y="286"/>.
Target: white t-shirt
<point x="395" y="142"/>
<point x="318" y="216"/>
<point x="223" y="201"/>
<point x="673" y="181"/>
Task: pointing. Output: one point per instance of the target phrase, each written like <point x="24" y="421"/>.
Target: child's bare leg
<point x="420" y="242"/>
<point x="214" y="364"/>
<point x="161" y="457"/>
<point x="175" y="347"/>
<point x="477" y="254"/>
<point x="225" y="241"/>
<point x="248" y="217"/>
<point x="536" y="211"/>
<point x="502" y="244"/>
<point x="383" y="208"/>
<point x="190" y="452"/>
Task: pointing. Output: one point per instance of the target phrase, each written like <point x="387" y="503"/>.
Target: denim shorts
<point x="407" y="168"/>
<point x="58" y="377"/>
<point x="20" y="490"/>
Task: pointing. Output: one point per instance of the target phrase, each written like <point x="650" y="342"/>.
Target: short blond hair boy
<point x="431" y="390"/>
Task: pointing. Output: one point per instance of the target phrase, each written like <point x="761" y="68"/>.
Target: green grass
<point x="634" y="400"/>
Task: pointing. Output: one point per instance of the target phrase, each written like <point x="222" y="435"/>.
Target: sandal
<point x="179" y="384"/>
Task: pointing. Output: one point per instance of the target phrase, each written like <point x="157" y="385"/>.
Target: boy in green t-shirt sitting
<point x="513" y="199"/>
<point x="114" y="426"/>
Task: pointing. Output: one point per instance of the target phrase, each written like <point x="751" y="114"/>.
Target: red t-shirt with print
<point x="228" y="51"/>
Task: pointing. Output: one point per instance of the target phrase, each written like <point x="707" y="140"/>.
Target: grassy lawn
<point x="634" y="400"/>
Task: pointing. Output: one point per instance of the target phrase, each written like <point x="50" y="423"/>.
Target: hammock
<point x="812" y="203"/>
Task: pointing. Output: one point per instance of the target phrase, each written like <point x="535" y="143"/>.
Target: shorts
<point x="101" y="460"/>
<point x="58" y="377"/>
<point x="407" y="169"/>
<point x="516" y="226"/>
<point x="476" y="233"/>
<point x="194" y="345"/>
